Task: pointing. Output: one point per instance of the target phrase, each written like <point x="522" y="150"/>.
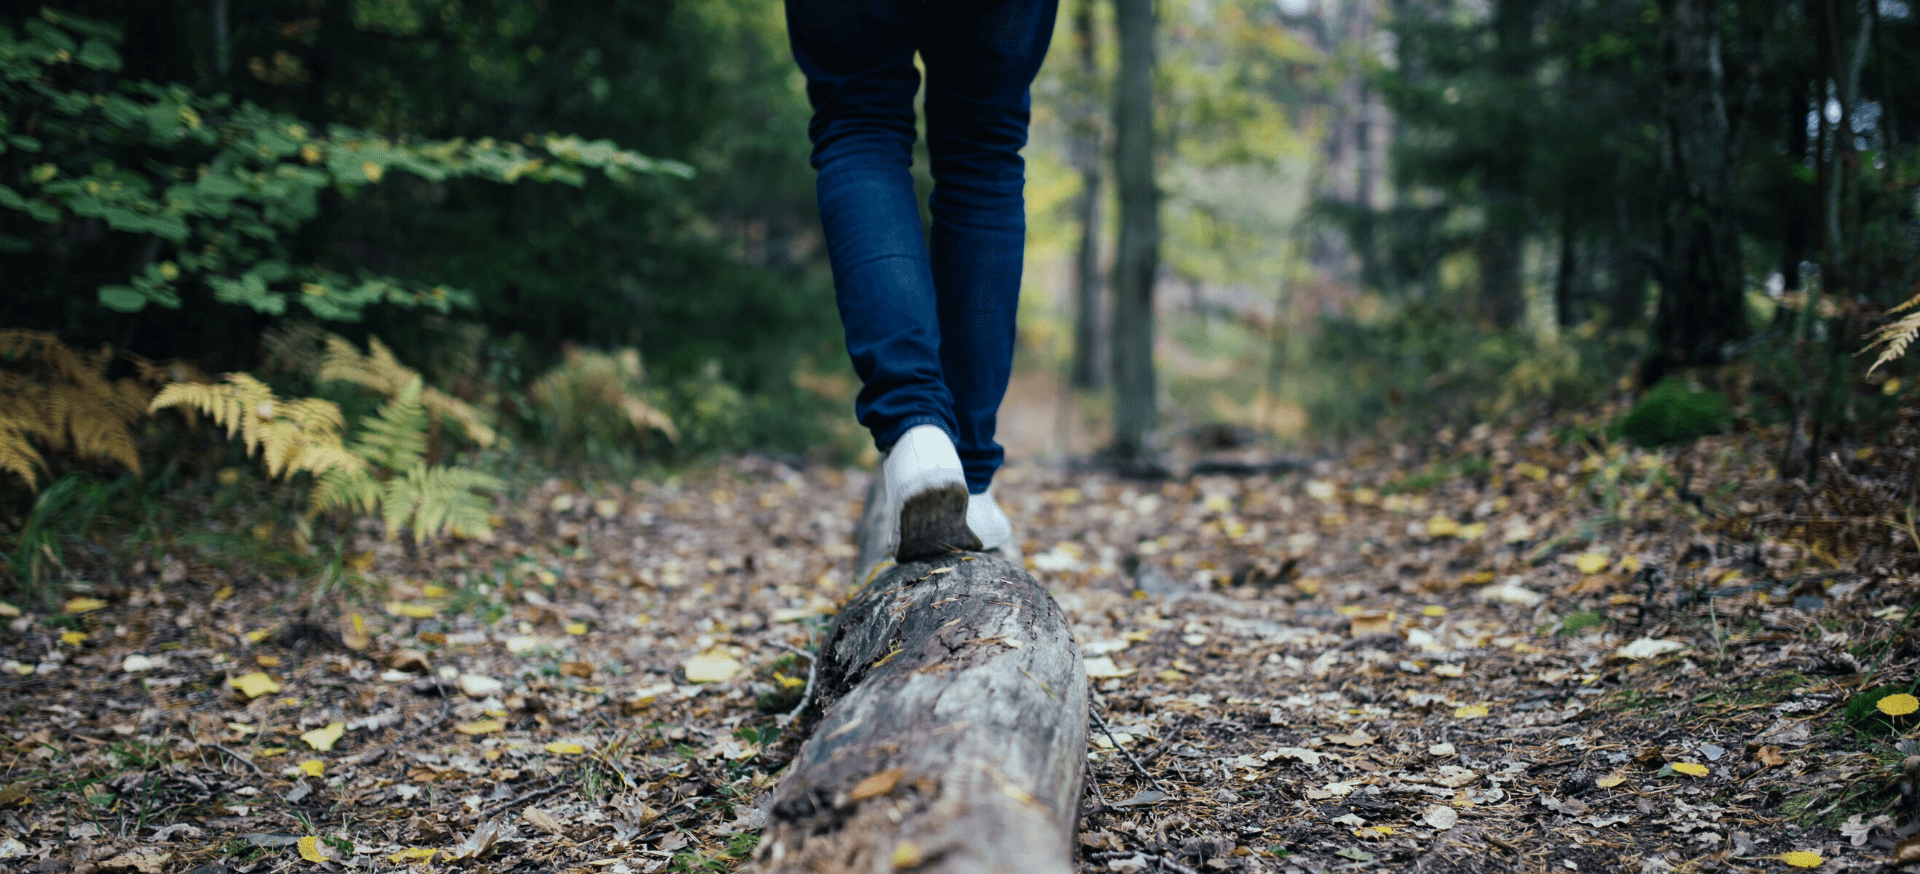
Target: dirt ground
<point x="1486" y="652"/>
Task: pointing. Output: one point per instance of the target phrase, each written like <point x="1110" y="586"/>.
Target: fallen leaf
<point x="1647" y="647"/>
<point x="77" y="606"/>
<point x="1448" y="670"/>
<point x="1802" y="859"/>
<point x="1442" y="526"/>
<point x="411" y="855"/>
<point x="543" y="821"/>
<point x="907" y="854"/>
<point x="313" y="768"/>
<point x="8" y="611"/>
<point x="323" y="739"/>
<point x="712" y="666"/>
<point x="1103" y="667"/>
<point x="255" y="684"/>
<point x="1609" y="782"/>
<point x="1898" y="705"/>
<point x="1440" y="817"/>
<point x="565" y="748"/>
<point x="312" y="850"/>
<point x="145" y="863"/>
<point x="1690" y="769"/>
<point x="1470" y="711"/>
<point x="481" y="726"/>
<point x="480" y="685"/>
<point x="1368" y="622"/>
<point x="353" y="633"/>
<point x="73" y="638"/>
<point x="877" y="784"/>
<point x="1769" y="756"/>
<point x="1356" y="739"/>
<point x="1591" y="562"/>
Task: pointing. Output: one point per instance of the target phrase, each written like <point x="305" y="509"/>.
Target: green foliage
<point x="218" y="186"/>
<point x="1672" y="412"/>
<point x="62" y="514"/>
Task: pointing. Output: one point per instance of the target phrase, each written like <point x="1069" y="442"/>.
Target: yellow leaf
<point x="1471" y="531"/>
<point x="1470" y="711"/>
<point x="323" y="739"/>
<point x="259" y="635"/>
<point x="1609" y="782"/>
<point x="576" y="628"/>
<point x="1898" y="705"/>
<point x="373" y="171"/>
<point x="412" y="854"/>
<point x="1690" y="769"/>
<point x="1591" y="562"/>
<point x="313" y="768"/>
<point x="711" y="666"/>
<point x="434" y="590"/>
<point x="1802" y="859"/>
<point x="1433" y="610"/>
<point x="412" y="611"/>
<point x="223" y="593"/>
<point x="787" y="682"/>
<point x="1448" y="670"/>
<point x="255" y="684"/>
<point x="1442" y="526"/>
<point x="1630" y="564"/>
<point x="481" y="726"/>
<point x="85" y="605"/>
<point x="310" y="850"/>
<point x="242" y="729"/>
<point x="73" y="638"/>
<point x="563" y="748"/>
<point x="267" y="661"/>
<point x="907" y="854"/>
<point x="8" y="611"/>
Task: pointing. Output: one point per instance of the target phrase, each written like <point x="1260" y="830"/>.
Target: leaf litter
<point x="1352" y="664"/>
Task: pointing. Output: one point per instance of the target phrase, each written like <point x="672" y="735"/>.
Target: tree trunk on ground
<point x="1137" y="256"/>
<point x="953" y="729"/>
<point x="1702" y="309"/>
<point x="1084" y="147"/>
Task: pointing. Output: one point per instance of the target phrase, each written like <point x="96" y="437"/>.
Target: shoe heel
<point x="935" y="522"/>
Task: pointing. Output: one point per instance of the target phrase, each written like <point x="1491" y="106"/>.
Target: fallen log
<point x="953" y="729"/>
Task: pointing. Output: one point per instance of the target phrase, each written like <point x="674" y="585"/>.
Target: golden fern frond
<point x="1896" y="336"/>
<point x="395" y="436"/>
<point x="96" y="429"/>
<point x="18" y="456"/>
<point x="285" y="432"/>
<point x="431" y="500"/>
<point x="354" y="490"/>
<point x="381" y="371"/>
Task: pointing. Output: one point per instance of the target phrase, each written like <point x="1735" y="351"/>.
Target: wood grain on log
<point x="953" y="732"/>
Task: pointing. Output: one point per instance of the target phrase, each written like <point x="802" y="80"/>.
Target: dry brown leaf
<point x="878" y="784"/>
<point x="543" y="821"/>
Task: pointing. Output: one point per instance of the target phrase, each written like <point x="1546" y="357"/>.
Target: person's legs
<point x="858" y="59"/>
<point x="980" y="58"/>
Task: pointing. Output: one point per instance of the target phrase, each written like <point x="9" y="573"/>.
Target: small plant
<point x="1674" y="413"/>
<point x="599" y="399"/>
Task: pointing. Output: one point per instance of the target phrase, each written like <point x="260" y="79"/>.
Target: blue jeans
<point x="929" y="317"/>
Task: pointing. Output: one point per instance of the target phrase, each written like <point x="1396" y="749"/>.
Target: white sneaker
<point x="926" y="495"/>
<point x="989" y="522"/>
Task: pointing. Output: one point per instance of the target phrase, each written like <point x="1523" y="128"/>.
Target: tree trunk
<point x="1502" y="303"/>
<point x="1084" y="147"/>
<point x="953" y="734"/>
<point x="1702" y="309"/>
<point x="1563" y="314"/>
<point x="1137" y="257"/>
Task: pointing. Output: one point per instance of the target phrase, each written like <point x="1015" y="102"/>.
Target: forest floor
<point x="1487" y="652"/>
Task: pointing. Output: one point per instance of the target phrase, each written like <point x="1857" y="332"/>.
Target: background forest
<point x="588" y="231"/>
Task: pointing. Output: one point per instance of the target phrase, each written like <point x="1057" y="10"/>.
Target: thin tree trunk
<point x="1563" y="279"/>
<point x="1087" y="372"/>
<point x="1137" y="257"/>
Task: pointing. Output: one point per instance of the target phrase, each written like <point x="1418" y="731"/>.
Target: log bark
<point x="953" y="730"/>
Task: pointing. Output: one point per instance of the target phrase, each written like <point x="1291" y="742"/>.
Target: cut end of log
<point x="952" y="735"/>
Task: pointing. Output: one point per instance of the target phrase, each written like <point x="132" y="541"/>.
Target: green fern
<point x="435" y="499"/>
<point x="395" y="436"/>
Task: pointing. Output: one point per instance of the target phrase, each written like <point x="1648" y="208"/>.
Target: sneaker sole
<point x="935" y="522"/>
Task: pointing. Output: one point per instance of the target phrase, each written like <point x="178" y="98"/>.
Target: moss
<point x="1674" y="413"/>
<point x="1863" y="712"/>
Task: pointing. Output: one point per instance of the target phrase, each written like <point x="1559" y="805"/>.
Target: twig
<point x="523" y="798"/>
<point x="1173" y="731"/>
<point x="806" y="695"/>
<point x="238" y="758"/>
<point x="1156" y="858"/>
<point x="1123" y="751"/>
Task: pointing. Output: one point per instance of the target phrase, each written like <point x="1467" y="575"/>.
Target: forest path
<point x="1407" y="659"/>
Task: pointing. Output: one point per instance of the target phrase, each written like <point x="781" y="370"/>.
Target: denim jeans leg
<point x="981" y="59"/>
<point x="858" y="59"/>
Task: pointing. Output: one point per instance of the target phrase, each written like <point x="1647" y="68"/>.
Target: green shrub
<point x="1674" y="413"/>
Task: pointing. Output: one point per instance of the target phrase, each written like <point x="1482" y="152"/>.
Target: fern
<point x="433" y="499"/>
<point x="381" y="371"/>
<point x="61" y="399"/>
<point x="301" y="435"/>
<point x="395" y="436"/>
<point x="1894" y="337"/>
